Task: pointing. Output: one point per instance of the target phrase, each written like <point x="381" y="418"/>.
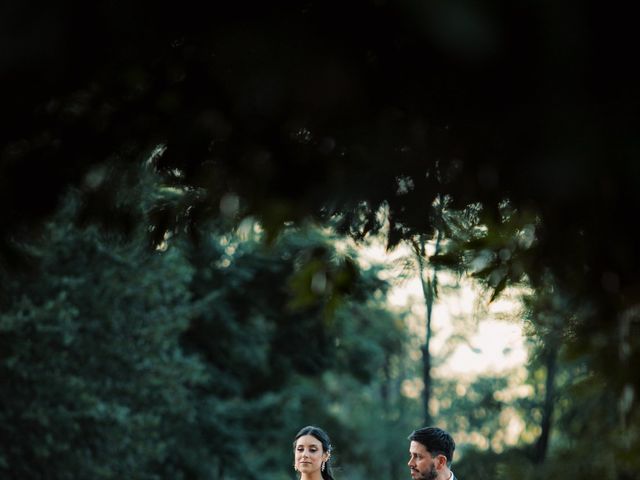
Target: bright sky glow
<point x="496" y="347"/>
<point x="494" y="331"/>
<point x="471" y="337"/>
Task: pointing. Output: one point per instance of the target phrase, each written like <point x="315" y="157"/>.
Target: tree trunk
<point x="429" y="290"/>
<point x="542" y="445"/>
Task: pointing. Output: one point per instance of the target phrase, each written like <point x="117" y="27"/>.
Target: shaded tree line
<point x="119" y="361"/>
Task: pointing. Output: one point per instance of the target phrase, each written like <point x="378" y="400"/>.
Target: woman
<point x="312" y="452"/>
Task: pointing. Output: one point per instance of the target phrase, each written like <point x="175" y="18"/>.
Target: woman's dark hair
<point x="321" y="435"/>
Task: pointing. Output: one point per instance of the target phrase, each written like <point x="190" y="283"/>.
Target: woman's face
<point x="309" y="454"/>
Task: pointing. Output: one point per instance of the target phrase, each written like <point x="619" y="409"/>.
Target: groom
<point x="431" y="453"/>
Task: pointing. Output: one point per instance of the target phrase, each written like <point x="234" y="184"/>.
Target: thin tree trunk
<point x="542" y="444"/>
<point x="385" y="394"/>
<point x="429" y="289"/>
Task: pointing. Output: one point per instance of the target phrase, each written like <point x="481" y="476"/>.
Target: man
<point x="431" y="453"/>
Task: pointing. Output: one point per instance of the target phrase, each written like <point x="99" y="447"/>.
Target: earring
<point x="323" y="464"/>
<point x="295" y="467"/>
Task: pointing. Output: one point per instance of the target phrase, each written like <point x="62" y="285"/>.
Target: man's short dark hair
<point x="436" y="441"/>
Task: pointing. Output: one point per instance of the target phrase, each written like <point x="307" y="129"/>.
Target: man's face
<point x="421" y="464"/>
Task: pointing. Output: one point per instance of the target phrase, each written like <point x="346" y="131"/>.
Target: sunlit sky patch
<point x="493" y="330"/>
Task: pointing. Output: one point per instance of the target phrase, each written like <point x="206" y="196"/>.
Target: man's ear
<point x="441" y="462"/>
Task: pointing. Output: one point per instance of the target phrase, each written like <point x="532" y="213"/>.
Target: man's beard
<point x="432" y="474"/>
